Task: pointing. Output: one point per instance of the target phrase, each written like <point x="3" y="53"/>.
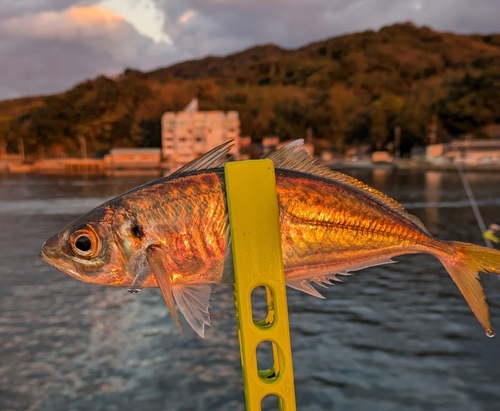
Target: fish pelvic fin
<point x="193" y="302"/>
<point x="157" y="259"/>
<point x="464" y="267"/>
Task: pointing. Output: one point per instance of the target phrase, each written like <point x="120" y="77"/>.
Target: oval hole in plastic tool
<point x="262" y="306"/>
<point x="267" y="361"/>
<point x="270" y="402"/>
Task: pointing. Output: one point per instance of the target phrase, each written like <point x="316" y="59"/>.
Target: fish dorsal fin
<point x="213" y="159"/>
<point x="294" y="156"/>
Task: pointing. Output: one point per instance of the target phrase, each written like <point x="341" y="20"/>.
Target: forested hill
<point x="349" y="89"/>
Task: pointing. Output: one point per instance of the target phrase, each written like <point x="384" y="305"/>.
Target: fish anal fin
<point x="193" y="302"/>
<point x="157" y="260"/>
<point x="325" y="280"/>
<point x="371" y="263"/>
<point x="304" y="286"/>
<point x="303" y="283"/>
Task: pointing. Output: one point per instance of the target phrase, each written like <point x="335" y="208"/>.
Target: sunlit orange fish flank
<point x="173" y="234"/>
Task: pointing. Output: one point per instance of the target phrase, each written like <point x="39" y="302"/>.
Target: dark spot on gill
<point x="137" y="231"/>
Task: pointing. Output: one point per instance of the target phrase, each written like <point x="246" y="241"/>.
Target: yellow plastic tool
<point x="258" y="262"/>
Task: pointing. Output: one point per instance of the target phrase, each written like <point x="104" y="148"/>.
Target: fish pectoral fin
<point x="193" y="302"/>
<point x="157" y="260"/>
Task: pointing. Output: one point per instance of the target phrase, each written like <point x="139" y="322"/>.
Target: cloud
<point x="185" y="17"/>
<point x="67" y="26"/>
<point x="224" y="26"/>
<point x="50" y="51"/>
<point x="143" y="15"/>
<point x="48" y="45"/>
<point x="19" y="8"/>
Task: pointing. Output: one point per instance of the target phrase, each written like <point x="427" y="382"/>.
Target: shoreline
<point x="413" y="164"/>
<point x="98" y="167"/>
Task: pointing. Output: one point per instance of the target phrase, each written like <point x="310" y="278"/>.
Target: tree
<point x="343" y="104"/>
<point x="472" y="102"/>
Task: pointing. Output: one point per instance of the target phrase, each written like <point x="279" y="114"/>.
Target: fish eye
<point x="84" y="243"/>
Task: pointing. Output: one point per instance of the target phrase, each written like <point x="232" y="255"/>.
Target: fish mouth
<point x="43" y="255"/>
<point x="49" y="248"/>
<point x="49" y="254"/>
<point x="46" y="254"/>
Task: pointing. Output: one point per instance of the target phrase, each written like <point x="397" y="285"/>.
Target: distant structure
<point x="190" y="133"/>
<point x="133" y="158"/>
<point x="468" y="152"/>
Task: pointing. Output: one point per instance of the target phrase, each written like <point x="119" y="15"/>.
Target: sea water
<point x="390" y="338"/>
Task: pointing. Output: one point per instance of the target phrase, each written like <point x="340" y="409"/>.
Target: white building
<point x="190" y="133"/>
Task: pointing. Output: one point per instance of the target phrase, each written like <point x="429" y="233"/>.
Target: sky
<point x="47" y="46"/>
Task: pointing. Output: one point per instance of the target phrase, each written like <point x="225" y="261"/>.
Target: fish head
<point x="104" y="247"/>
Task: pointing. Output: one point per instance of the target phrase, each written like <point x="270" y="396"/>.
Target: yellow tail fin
<point x="464" y="267"/>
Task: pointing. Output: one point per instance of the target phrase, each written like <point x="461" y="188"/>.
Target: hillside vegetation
<point x="350" y="89"/>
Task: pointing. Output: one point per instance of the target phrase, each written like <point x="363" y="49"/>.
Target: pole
<point x="20" y="147"/>
<point x="83" y="145"/>
<point x="433" y="131"/>
<point x="473" y="204"/>
<point x="397" y="141"/>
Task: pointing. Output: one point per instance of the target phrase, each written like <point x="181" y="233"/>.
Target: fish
<point x="173" y="233"/>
